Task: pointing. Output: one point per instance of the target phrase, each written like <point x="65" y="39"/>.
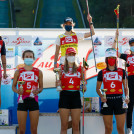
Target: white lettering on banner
<point x="131" y="59"/>
<point x="69" y="39"/>
<point x="28" y="76"/>
<point x="20" y="41"/>
<point x="124" y="41"/>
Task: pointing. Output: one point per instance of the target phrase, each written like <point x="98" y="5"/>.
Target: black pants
<point x="131" y="103"/>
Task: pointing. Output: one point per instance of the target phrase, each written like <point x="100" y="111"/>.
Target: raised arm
<point x="115" y="41"/>
<point x="86" y="35"/>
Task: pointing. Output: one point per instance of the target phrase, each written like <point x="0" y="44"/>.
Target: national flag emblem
<point x="117" y="10"/>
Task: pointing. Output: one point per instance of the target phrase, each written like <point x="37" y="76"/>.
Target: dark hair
<point x="27" y="51"/>
<point x="131" y="41"/>
<point x="0" y="38"/>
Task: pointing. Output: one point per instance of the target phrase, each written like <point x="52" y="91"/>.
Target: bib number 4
<point x="71" y="81"/>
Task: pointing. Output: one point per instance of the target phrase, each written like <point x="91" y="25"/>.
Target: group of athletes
<point x="71" y="76"/>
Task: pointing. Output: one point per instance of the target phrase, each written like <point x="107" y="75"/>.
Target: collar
<point x="111" y="70"/>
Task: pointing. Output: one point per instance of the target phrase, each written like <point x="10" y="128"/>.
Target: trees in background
<point x="103" y="14"/>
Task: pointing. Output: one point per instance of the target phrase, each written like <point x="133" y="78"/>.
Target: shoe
<point x="129" y="131"/>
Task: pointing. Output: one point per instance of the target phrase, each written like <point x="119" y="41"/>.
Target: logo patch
<point x="28" y="76"/>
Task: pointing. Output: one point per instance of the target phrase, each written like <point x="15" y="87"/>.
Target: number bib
<point x="130" y="60"/>
<point x="71" y="81"/>
<point x="68" y="41"/>
<point x="31" y="80"/>
<point x="112" y="81"/>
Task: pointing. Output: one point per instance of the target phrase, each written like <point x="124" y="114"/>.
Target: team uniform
<point x="2" y="52"/>
<point x="31" y="79"/>
<point x="66" y="41"/>
<point x="70" y="83"/>
<point x="129" y="58"/>
<point x="112" y="81"/>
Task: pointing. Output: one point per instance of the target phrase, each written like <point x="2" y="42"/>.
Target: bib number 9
<point x="112" y="85"/>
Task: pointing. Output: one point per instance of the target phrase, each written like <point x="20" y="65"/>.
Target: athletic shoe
<point x="129" y="131"/>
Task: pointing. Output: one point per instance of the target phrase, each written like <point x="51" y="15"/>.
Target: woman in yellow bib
<point x="69" y="39"/>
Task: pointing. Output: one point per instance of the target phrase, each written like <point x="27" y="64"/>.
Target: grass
<point x="25" y="18"/>
<point x="77" y="13"/>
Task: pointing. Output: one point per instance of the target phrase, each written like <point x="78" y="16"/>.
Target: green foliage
<point x="103" y="14"/>
<point x="25" y="18"/>
<point x="77" y="13"/>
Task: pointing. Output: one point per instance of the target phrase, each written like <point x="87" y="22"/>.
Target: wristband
<point x="39" y="90"/>
<point x="55" y="63"/>
<point x="91" y="23"/>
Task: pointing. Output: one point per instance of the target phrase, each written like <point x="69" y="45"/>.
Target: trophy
<point x="21" y="83"/>
<point x="104" y="95"/>
<point x="124" y="105"/>
<point x="31" y="94"/>
<point x="56" y="70"/>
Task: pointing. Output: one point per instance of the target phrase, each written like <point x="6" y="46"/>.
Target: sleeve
<point x="57" y="41"/>
<point x="100" y="76"/>
<point x="124" y="73"/>
<point x="123" y="56"/>
<point x="80" y="36"/>
<point x="3" y="49"/>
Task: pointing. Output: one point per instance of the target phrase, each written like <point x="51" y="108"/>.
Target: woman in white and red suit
<point x="33" y="85"/>
<point x="129" y="58"/>
<point x="70" y="101"/>
<point x="113" y="78"/>
<point x="70" y="39"/>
